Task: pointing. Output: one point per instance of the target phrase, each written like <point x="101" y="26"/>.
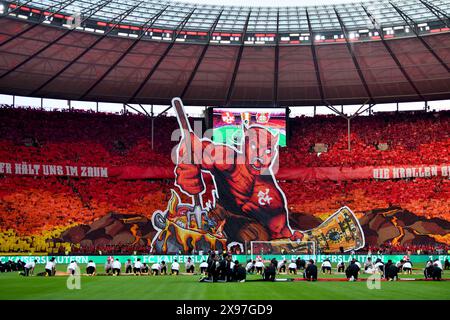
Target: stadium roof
<point x="262" y="19"/>
<point x="150" y="51"/>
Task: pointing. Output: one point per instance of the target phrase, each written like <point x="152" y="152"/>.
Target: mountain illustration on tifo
<point x="392" y="225"/>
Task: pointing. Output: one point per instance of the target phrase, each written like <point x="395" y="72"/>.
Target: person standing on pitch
<point x="352" y="271"/>
<point x="238" y="272"/>
<point x="163" y="268"/>
<point x="292" y="267"/>
<point x="326" y="266"/>
<point x="116" y="267"/>
<point x="379" y="267"/>
<point x="368" y="264"/>
<point x="156" y="269"/>
<point x="392" y="271"/>
<point x="341" y="266"/>
<point x="190" y="266"/>
<point x="250" y="267"/>
<point x="144" y="269"/>
<point x="270" y="272"/>
<point x="137" y="267"/>
<point x="90" y="269"/>
<point x="259" y="265"/>
<point x="108" y="266"/>
<point x="301" y="264"/>
<point x="29" y="268"/>
<point x="72" y="267"/>
<point x="128" y="266"/>
<point x="212" y="273"/>
<point x="407" y="267"/>
<point x="428" y="269"/>
<point x="203" y="267"/>
<point x="436" y="272"/>
<point x="225" y="268"/>
<point x="50" y="267"/>
<point x="310" y="273"/>
<point x="175" y="267"/>
<point x="282" y="266"/>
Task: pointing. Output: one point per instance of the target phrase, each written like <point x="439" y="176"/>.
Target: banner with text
<point x="291" y="173"/>
<point x="334" y="258"/>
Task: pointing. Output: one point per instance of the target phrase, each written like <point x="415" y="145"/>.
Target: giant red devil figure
<point x="249" y="199"/>
<point x="248" y="203"/>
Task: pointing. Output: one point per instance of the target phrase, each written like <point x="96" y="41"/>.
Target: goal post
<point x="282" y="247"/>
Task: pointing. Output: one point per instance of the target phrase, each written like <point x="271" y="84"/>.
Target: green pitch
<point x="232" y="134"/>
<point x="185" y="287"/>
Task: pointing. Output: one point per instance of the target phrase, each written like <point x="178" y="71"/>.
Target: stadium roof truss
<point x="148" y="51"/>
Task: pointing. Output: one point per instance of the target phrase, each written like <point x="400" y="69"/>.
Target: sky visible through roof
<point x="270" y="3"/>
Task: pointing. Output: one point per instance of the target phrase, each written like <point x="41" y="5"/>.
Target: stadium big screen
<point x="227" y="123"/>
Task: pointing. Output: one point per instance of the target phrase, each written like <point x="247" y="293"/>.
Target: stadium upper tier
<point x="201" y="17"/>
<point x="150" y="51"/>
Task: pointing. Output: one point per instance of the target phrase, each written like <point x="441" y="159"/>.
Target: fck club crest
<point x="228" y="117"/>
<point x="264" y="197"/>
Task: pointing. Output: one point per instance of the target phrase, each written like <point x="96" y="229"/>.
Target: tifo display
<point x="64" y="213"/>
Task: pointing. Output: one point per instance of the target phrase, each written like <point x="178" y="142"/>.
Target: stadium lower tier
<point x="97" y="139"/>
<point x="63" y="215"/>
